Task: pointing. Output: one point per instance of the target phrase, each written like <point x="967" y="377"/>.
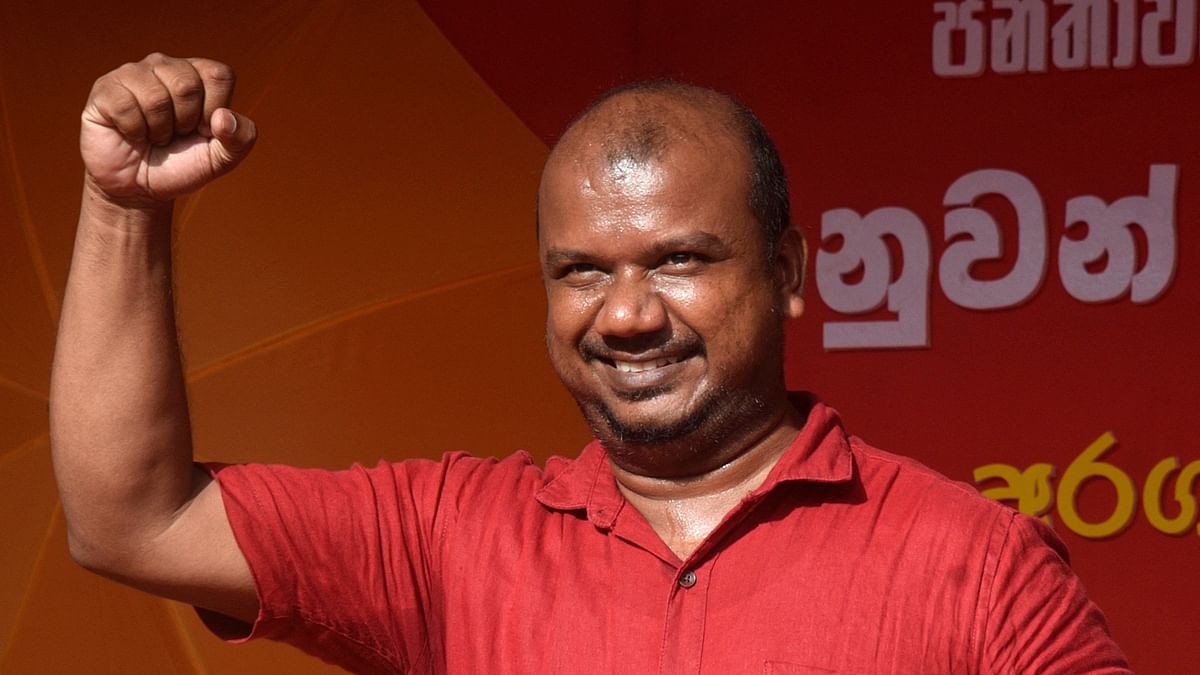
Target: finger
<point x="185" y="87"/>
<point x="111" y="104"/>
<point x="218" y="80"/>
<point x="234" y="135"/>
<point x="153" y="98"/>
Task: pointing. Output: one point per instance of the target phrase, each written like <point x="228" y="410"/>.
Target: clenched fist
<point x="161" y="128"/>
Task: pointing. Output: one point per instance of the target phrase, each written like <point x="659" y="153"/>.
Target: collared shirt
<point x="846" y="559"/>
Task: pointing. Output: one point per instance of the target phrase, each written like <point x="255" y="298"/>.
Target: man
<point x="718" y="524"/>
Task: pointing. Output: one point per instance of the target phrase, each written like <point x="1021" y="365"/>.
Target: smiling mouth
<point x="643" y="366"/>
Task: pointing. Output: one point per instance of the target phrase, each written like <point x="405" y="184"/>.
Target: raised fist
<point x="161" y="128"/>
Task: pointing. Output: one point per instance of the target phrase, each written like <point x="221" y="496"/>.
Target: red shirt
<point x="846" y="559"/>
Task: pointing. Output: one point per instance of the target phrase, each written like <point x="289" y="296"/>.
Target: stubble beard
<point x="667" y="449"/>
<point x="673" y="449"/>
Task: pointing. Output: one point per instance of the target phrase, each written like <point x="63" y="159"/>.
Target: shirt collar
<point x="586" y="483"/>
<point x="820" y="453"/>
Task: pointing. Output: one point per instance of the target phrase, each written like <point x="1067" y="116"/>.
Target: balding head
<point x="664" y="318"/>
<point x="639" y="124"/>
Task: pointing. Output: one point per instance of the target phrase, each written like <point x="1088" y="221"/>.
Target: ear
<point x="791" y="255"/>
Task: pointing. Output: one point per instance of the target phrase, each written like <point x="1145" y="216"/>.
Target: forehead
<point x="639" y="156"/>
<point x="679" y="196"/>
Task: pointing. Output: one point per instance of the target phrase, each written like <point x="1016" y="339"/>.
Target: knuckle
<point x="110" y="97"/>
<point x="101" y="88"/>
<point x="122" y="106"/>
<point x="217" y="71"/>
<point x="128" y="70"/>
<point x="158" y="104"/>
<point x="185" y="86"/>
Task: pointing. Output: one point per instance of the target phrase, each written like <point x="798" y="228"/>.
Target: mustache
<point x="603" y="348"/>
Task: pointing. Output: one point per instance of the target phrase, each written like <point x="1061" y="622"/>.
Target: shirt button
<point x="687" y="579"/>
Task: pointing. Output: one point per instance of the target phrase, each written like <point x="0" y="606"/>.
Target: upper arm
<point x="194" y="558"/>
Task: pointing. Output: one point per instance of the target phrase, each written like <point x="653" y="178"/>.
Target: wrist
<point x="129" y="215"/>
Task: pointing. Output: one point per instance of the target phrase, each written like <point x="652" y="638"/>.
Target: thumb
<point x="233" y="136"/>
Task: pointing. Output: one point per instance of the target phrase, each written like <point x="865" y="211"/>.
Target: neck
<point x="684" y="510"/>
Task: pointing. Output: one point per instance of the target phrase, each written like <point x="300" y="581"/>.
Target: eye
<point x="579" y="268"/>
<point x="682" y="261"/>
<point x="582" y="273"/>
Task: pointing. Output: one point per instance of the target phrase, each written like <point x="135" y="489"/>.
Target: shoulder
<point x="452" y="468"/>
<point x="911" y="507"/>
<point x="455" y="482"/>
<point x="489" y="481"/>
<point x="901" y="480"/>
<point x="900" y="489"/>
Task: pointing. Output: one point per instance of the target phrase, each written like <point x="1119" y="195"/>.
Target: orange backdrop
<point x="366" y="284"/>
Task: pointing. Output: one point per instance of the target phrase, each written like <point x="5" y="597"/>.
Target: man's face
<point x="664" y="316"/>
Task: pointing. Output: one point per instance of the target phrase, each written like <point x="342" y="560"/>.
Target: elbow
<point x="96" y="555"/>
<point x="85" y="553"/>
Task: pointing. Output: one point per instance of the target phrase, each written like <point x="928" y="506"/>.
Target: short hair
<point x="648" y="139"/>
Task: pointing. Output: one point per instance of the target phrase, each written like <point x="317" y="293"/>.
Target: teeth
<point x="642" y="366"/>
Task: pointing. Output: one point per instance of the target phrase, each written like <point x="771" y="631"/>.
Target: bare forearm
<point x="118" y="409"/>
<point x="137" y="510"/>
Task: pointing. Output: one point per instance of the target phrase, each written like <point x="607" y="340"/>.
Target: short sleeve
<point x="343" y="561"/>
<point x="1040" y="619"/>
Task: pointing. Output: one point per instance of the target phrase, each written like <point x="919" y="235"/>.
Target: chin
<point x="647" y="431"/>
<point x="658" y="440"/>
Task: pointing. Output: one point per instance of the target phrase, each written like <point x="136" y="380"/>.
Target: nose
<point x="631" y="307"/>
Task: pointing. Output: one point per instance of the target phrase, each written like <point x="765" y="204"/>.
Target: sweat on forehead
<point x="640" y="123"/>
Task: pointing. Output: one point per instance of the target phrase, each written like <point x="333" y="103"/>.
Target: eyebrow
<point x="560" y="256"/>
<point x="696" y="241"/>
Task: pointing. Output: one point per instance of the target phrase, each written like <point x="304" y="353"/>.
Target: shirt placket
<point x="686" y="616"/>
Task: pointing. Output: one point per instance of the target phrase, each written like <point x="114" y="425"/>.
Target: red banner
<point x="999" y="198"/>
